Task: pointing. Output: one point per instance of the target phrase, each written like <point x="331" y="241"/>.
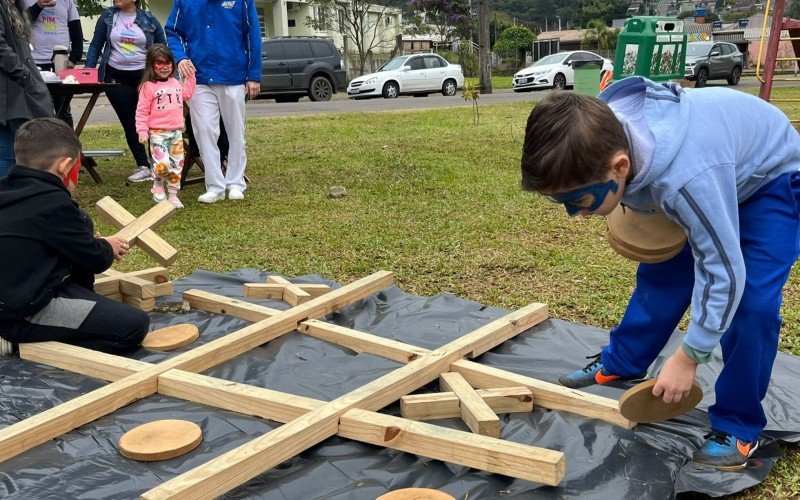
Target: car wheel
<point x="559" y="82"/>
<point x="449" y="88"/>
<point x="702" y="78"/>
<point x="736" y="74"/>
<point x="288" y="98"/>
<point x="320" y="89"/>
<point x="391" y="90"/>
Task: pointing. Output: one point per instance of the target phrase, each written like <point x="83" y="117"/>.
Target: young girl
<point x="159" y="118"/>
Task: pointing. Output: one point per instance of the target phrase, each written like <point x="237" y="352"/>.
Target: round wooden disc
<point x="416" y="494"/>
<point x="639" y="405"/>
<point x="171" y="337"/>
<point x="160" y="440"/>
<point x="643" y="237"/>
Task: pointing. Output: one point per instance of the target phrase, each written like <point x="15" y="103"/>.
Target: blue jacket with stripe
<point x="221" y="37"/>
<point x="697" y="155"/>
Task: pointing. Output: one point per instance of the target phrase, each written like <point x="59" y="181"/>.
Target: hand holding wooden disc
<point x="416" y="494"/>
<point x="171" y="337"/>
<point x="160" y="440"/>
<point x="639" y="405"/>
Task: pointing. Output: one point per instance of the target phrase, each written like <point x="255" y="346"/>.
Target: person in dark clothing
<point x="50" y="254"/>
<point x="23" y="94"/>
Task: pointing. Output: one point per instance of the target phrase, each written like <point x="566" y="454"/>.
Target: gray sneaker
<point x="141" y="174"/>
<point x="5" y="347"/>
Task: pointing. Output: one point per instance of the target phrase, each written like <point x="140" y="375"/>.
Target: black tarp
<point x="602" y="461"/>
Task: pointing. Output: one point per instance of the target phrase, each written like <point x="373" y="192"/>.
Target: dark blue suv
<point x="297" y="66"/>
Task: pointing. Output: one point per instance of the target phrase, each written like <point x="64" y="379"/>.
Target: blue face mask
<point x="598" y="191"/>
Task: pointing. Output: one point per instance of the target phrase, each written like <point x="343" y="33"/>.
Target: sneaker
<point x="5" y="347"/>
<point x="141" y="174"/>
<point x="211" y="197"/>
<point x="723" y="451"/>
<point x="158" y="193"/>
<point x="591" y="374"/>
<point x="173" y="198"/>
<point x="235" y="194"/>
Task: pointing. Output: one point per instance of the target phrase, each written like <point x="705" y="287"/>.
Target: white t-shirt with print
<point x="50" y="29"/>
<point x="127" y="43"/>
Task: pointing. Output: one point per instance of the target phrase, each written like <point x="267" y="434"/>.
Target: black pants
<point x="60" y="102"/>
<point x="123" y="99"/>
<point x="78" y="316"/>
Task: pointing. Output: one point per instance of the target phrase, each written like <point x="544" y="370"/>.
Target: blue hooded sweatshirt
<point x="697" y="154"/>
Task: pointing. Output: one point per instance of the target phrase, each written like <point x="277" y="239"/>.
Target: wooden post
<point x="484" y="53"/>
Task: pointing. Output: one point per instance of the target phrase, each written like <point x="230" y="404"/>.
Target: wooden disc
<point x="639" y="405"/>
<point x="171" y="337"/>
<point x="416" y="494"/>
<point x="643" y="237"/>
<point x="160" y="440"/>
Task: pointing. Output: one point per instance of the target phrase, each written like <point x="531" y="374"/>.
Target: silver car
<point x="713" y="61"/>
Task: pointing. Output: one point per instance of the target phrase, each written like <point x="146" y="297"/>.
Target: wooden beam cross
<point x="139" y="231"/>
<point x="278" y="288"/>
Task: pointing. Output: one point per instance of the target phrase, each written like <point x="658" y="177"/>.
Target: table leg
<point x="86" y="112"/>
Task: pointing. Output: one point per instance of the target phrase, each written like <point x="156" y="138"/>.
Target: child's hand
<point x="143" y="139"/>
<point x="675" y="380"/>
<point x="120" y="246"/>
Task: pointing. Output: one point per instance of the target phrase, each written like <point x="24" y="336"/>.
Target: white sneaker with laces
<point x="211" y="197"/>
<point x="235" y="194"/>
<point x="141" y="174"/>
<point x="5" y="347"/>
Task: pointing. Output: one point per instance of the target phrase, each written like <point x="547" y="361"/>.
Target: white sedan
<point x="555" y="71"/>
<point x="418" y="74"/>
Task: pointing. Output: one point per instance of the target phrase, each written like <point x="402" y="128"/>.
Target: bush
<point x="468" y="61"/>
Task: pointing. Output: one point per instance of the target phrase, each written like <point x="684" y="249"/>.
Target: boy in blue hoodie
<point x="722" y="165"/>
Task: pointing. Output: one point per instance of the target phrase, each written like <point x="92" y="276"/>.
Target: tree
<point x="794" y="10"/>
<point x="497" y="25"/>
<point x="360" y="21"/>
<point x="515" y="40"/>
<point x="606" y="10"/>
<point x="90" y="7"/>
<point x="450" y="18"/>
<point x="599" y="36"/>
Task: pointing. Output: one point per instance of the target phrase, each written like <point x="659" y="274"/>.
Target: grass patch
<point x="498" y="82"/>
<point x="431" y="197"/>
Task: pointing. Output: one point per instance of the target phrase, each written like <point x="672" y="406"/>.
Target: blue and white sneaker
<point x="723" y="451"/>
<point x="591" y="374"/>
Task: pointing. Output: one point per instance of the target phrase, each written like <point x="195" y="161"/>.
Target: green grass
<point x="431" y="197"/>
<point x="498" y="82"/>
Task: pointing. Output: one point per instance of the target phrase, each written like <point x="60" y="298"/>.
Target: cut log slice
<point x="416" y="494"/>
<point x="639" y="405"/>
<point x="160" y="440"/>
<point x="171" y="337"/>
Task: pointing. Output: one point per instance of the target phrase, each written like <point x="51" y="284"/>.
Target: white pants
<point x="208" y="103"/>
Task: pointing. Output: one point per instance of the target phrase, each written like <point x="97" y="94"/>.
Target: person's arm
<point x="158" y="36"/>
<point x="174" y="30"/>
<point x="10" y="63"/>
<point x="75" y="35"/>
<point x="143" y="109"/>
<point x="69" y="237"/>
<point x="98" y="40"/>
<point x="189" y="85"/>
<point x="253" y="41"/>
<point x="34" y="11"/>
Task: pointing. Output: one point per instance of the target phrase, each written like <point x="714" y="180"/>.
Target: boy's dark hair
<point x="40" y="142"/>
<point x="569" y="141"/>
<point x="155" y="52"/>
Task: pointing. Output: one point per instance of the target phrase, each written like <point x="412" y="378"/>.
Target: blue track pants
<point x="769" y="228"/>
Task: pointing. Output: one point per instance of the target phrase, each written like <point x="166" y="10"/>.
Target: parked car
<point x="418" y="74"/>
<point x="712" y="61"/>
<point x="294" y="67"/>
<point x="555" y="71"/>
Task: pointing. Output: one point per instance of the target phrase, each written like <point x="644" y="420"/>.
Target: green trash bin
<point x="653" y="47"/>
<point x="587" y="77"/>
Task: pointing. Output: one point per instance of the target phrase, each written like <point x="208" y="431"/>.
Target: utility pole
<point x="485" y="70"/>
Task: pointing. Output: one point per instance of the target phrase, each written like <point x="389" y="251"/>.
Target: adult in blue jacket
<point x="721" y="164"/>
<point x="220" y="43"/>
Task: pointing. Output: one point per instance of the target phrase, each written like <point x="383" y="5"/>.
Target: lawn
<point x="430" y="196"/>
<point x="498" y="82"/>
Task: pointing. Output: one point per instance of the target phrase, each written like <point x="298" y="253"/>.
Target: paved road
<point x="104" y="114"/>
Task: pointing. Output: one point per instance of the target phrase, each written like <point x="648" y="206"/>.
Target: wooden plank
<point x="151" y="243"/>
<point x="315" y="290"/>
<point x="251" y="459"/>
<point x="143" y="304"/>
<point x="219" y="304"/>
<point x="481" y="452"/>
<point x="292" y="293"/>
<point x="163" y="289"/>
<point x="110" y="284"/>
<point x="546" y="394"/>
<point x="478" y="416"/>
<point x="362" y="342"/>
<point x="115" y="296"/>
<point x="137" y="287"/>
<point x="109" y="272"/>
<point x="271" y="291"/>
<point x="80" y="360"/>
<point x="151" y="219"/>
<point x="446" y="404"/>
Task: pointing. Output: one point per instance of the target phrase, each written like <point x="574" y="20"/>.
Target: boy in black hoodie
<point x="50" y="253"/>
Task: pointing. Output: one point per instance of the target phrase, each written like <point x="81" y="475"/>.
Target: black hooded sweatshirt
<point x="43" y="236"/>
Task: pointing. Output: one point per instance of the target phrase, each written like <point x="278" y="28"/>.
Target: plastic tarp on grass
<point x="602" y="460"/>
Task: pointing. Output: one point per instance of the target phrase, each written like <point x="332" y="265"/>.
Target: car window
<point x="273" y="50"/>
<point x="432" y="62"/>
<point x="726" y="50"/>
<point x="573" y="57"/>
<point x="715" y="48"/>
<point x="416" y="63"/>
<point x="321" y="49"/>
<point x="297" y="49"/>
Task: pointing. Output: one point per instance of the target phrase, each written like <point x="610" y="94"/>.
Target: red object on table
<point x="82" y="75"/>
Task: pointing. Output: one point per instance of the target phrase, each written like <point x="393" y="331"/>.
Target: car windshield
<point x="393" y="64"/>
<point x="697" y="49"/>
<point x="551" y="59"/>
